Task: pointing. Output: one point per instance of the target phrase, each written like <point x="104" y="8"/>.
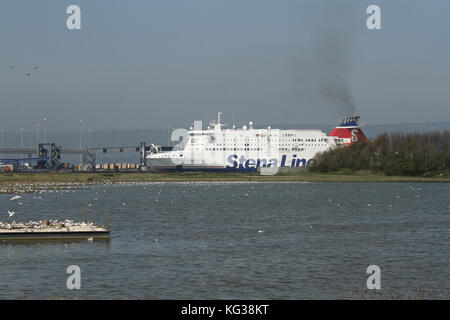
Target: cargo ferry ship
<point x="217" y="148"/>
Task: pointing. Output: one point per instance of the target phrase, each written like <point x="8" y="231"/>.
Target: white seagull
<point x="15" y="198"/>
<point x="11" y="213"/>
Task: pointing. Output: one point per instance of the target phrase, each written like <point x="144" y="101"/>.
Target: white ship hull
<point x="247" y="149"/>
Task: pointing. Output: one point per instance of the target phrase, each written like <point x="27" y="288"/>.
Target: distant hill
<point x="374" y="130"/>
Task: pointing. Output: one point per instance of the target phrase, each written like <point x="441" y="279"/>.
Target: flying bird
<point x="11" y="213"/>
<point x="15" y="198"/>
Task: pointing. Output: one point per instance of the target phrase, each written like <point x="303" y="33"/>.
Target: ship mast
<point x="218" y="126"/>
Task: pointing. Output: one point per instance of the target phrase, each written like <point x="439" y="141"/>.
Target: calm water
<point x="316" y="242"/>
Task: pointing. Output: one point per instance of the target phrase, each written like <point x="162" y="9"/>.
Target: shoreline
<point x="118" y="177"/>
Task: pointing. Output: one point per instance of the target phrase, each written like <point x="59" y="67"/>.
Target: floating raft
<point x="52" y="230"/>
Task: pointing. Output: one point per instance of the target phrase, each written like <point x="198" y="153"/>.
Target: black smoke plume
<point x="327" y="60"/>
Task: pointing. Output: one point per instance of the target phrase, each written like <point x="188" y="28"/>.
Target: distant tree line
<point x="393" y="154"/>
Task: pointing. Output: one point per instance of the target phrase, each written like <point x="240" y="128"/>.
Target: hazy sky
<point x="149" y="64"/>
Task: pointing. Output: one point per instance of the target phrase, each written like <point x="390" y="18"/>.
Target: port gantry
<point x="50" y="153"/>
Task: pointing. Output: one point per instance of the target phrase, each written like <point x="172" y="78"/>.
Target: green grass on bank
<point x="79" y="177"/>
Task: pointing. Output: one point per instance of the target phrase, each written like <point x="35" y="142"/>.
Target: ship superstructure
<point x="217" y="148"/>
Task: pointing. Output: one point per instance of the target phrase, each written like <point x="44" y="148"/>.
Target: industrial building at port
<point x="49" y="157"/>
